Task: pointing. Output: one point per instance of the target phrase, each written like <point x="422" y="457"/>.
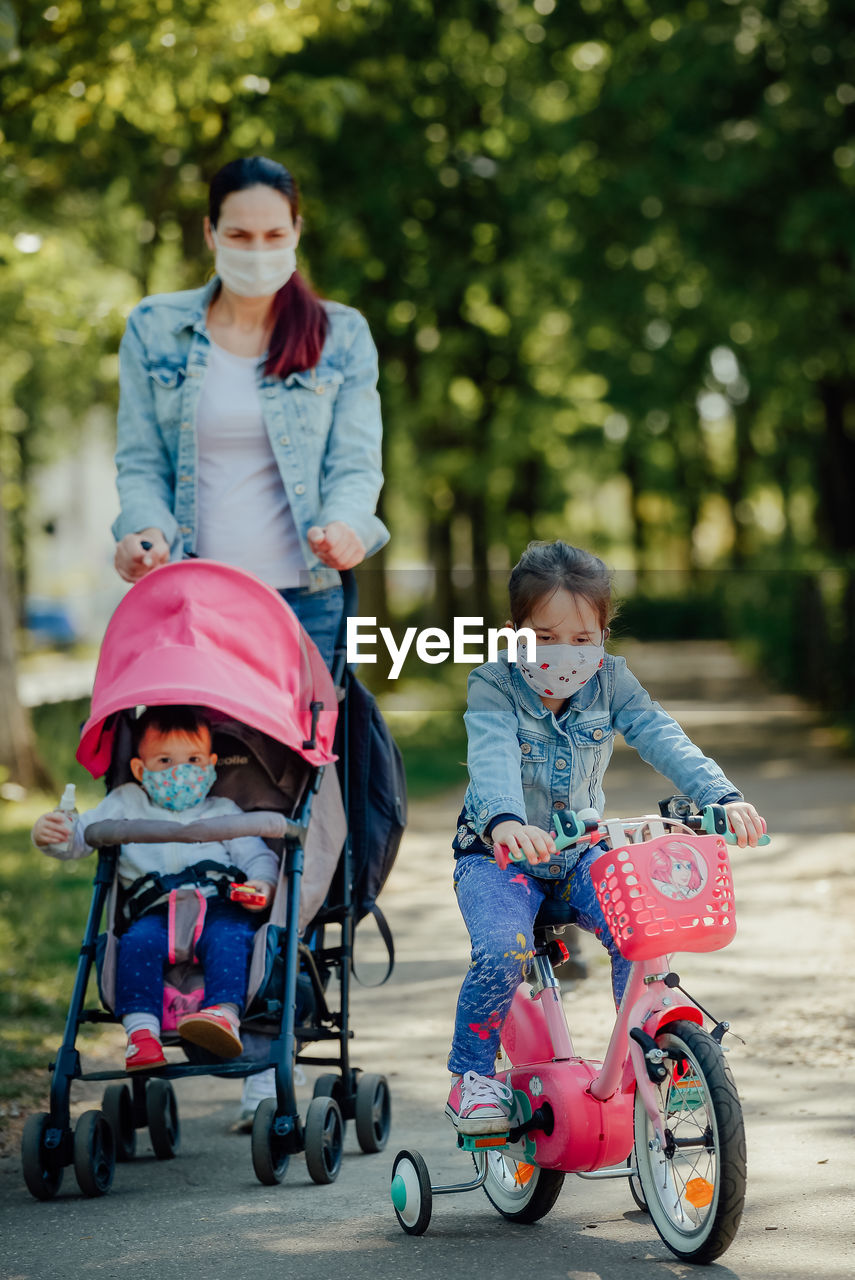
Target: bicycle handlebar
<point x="570" y="827"/>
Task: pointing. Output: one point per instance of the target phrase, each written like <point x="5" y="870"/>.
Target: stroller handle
<point x="265" y="823"/>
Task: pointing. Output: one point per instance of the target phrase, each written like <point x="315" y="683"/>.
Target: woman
<point x="249" y="421"/>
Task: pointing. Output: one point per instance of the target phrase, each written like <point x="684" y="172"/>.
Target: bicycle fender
<point x="655" y="1021"/>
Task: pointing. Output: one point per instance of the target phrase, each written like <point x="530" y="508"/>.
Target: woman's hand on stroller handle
<point x="138" y="553"/>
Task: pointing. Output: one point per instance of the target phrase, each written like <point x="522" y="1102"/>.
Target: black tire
<point x="331" y="1086"/>
<point x="269" y="1159"/>
<point x="699" y="1101"/>
<point x="41" y="1168"/>
<point x="373" y="1114"/>
<point x="521" y="1192"/>
<point x="118" y="1107"/>
<point x="164" y="1127"/>
<point x="94" y="1153"/>
<point x="635" y="1185"/>
<point x="324" y="1140"/>
<point x="411" y="1193"/>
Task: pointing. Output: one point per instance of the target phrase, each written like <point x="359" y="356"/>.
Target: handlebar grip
<point x="504" y="857"/>
<point x="714" y="822"/>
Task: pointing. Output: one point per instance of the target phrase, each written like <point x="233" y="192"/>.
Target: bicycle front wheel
<point x="694" y="1183"/>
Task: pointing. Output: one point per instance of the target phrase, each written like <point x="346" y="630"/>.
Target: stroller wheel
<point x="269" y="1158"/>
<point x="94" y="1153"/>
<point x="411" y="1192"/>
<point x="42" y="1171"/>
<point x="373" y="1112"/>
<point x="164" y="1127"/>
<point x="324" y="1139"/>
<point x="119" y="1110"/>
<point x="331" y="1086"/>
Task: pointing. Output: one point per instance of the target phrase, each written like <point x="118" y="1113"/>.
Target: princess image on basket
<point x="675" y="871"/>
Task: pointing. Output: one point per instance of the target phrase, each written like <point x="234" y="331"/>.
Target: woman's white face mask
<point x="254" y="273"/>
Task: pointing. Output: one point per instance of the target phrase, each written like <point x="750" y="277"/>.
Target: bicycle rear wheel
<point x="521" y="1192"/>
<point x="694" y="1185"/>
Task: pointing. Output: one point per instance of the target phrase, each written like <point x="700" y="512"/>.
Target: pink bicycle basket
<point x="674" y="893"/>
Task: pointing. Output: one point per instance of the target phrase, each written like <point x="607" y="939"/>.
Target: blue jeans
<point x="223" y="950"/>
<point x="320" y="613"/>
<point x="499" y="908"/>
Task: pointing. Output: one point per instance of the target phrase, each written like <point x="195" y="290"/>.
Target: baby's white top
<point x="249" y="853"/>
<point x="245" y="518"/>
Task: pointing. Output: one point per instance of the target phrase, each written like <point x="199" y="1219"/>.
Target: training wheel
<point x="411" y="1193"/>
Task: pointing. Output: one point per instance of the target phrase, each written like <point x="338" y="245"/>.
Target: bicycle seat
<point x="553" y="915"/>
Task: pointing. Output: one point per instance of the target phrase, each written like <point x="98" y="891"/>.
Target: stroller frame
<point x="100" y="1138"/>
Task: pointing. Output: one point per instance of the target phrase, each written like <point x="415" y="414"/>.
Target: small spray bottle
<point x="68" y="806"/>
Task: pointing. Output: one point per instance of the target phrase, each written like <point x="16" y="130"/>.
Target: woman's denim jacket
<point x="324" y="427"/>
<point x="523" y="761"/>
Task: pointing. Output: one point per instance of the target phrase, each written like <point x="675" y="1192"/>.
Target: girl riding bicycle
<point x="540" y="735"/>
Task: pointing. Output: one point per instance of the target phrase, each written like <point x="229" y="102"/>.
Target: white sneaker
<point x="255" y="1089"/>
<point x="480" y="1104"/>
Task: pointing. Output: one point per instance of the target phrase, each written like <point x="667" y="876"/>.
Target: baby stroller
<point x="205" y="634"/>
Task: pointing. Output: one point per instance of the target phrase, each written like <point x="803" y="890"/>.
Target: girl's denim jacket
<point x="524" y="762"/>
<point x="324" y="427"/>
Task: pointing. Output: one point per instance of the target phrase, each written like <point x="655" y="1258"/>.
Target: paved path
<point x="783" y="984"/>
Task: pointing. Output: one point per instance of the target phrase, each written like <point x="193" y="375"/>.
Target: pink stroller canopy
<point x="204" y="634"/>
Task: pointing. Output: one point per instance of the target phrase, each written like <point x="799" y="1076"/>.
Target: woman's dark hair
<point x="300" y="322"/>
<point x="545" y="567"/>
<point x="190" y="722"/>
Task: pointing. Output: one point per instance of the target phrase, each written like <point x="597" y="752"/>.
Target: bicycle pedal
<point x="481" y="1141"/>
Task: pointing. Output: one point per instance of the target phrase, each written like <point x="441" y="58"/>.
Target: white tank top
<point x="244" y="517"/>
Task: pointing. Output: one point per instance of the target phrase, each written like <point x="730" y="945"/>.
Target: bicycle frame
<point x="591" y="1103"/>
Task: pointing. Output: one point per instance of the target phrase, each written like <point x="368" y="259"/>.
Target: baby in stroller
<point x="175" y="769"/>
<point x="231" y="655"/>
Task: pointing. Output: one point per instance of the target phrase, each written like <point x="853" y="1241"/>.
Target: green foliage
<point x="605" y="249"/>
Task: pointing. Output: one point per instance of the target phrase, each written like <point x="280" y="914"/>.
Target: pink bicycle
<point x="661" y="1109"/>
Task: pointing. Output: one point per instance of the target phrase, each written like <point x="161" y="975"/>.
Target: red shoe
<point x="214" y="1029"/>
<point x="144" y="1052"/>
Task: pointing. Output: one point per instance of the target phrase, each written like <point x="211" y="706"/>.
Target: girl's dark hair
<point x="544" y="567"/>
<point x="188" y="721"/>
<point x="300" y="321"/>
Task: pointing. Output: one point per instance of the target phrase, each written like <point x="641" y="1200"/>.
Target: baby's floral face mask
<point x="179" y="787"/>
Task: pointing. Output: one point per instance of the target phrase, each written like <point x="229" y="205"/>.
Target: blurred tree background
<point x="605" y="249"/>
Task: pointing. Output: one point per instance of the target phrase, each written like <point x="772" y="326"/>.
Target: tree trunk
<point x="18" y="759"/>
<point x="837" y="466"/>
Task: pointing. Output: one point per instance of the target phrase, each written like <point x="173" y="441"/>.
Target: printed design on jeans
<point x="484" y="1030"/>
<point x="523" y="955"/>
<point x="465" y="836"/>
<point x="523" y="880"/>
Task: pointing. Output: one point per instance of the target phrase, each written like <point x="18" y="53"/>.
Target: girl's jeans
<point x="223" y="950"/>
<point x="320" y="613"/>
<point x="499" y="908"/>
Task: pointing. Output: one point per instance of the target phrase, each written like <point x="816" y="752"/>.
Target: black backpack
<point x="375" y="789"/>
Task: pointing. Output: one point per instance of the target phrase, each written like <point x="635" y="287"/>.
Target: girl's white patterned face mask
<point x="560" y="669"/>
<point x="179" y="787"/>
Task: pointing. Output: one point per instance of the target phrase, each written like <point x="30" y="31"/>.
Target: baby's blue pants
<point x="223" y="950"/>
<point x="499" y="908"/>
